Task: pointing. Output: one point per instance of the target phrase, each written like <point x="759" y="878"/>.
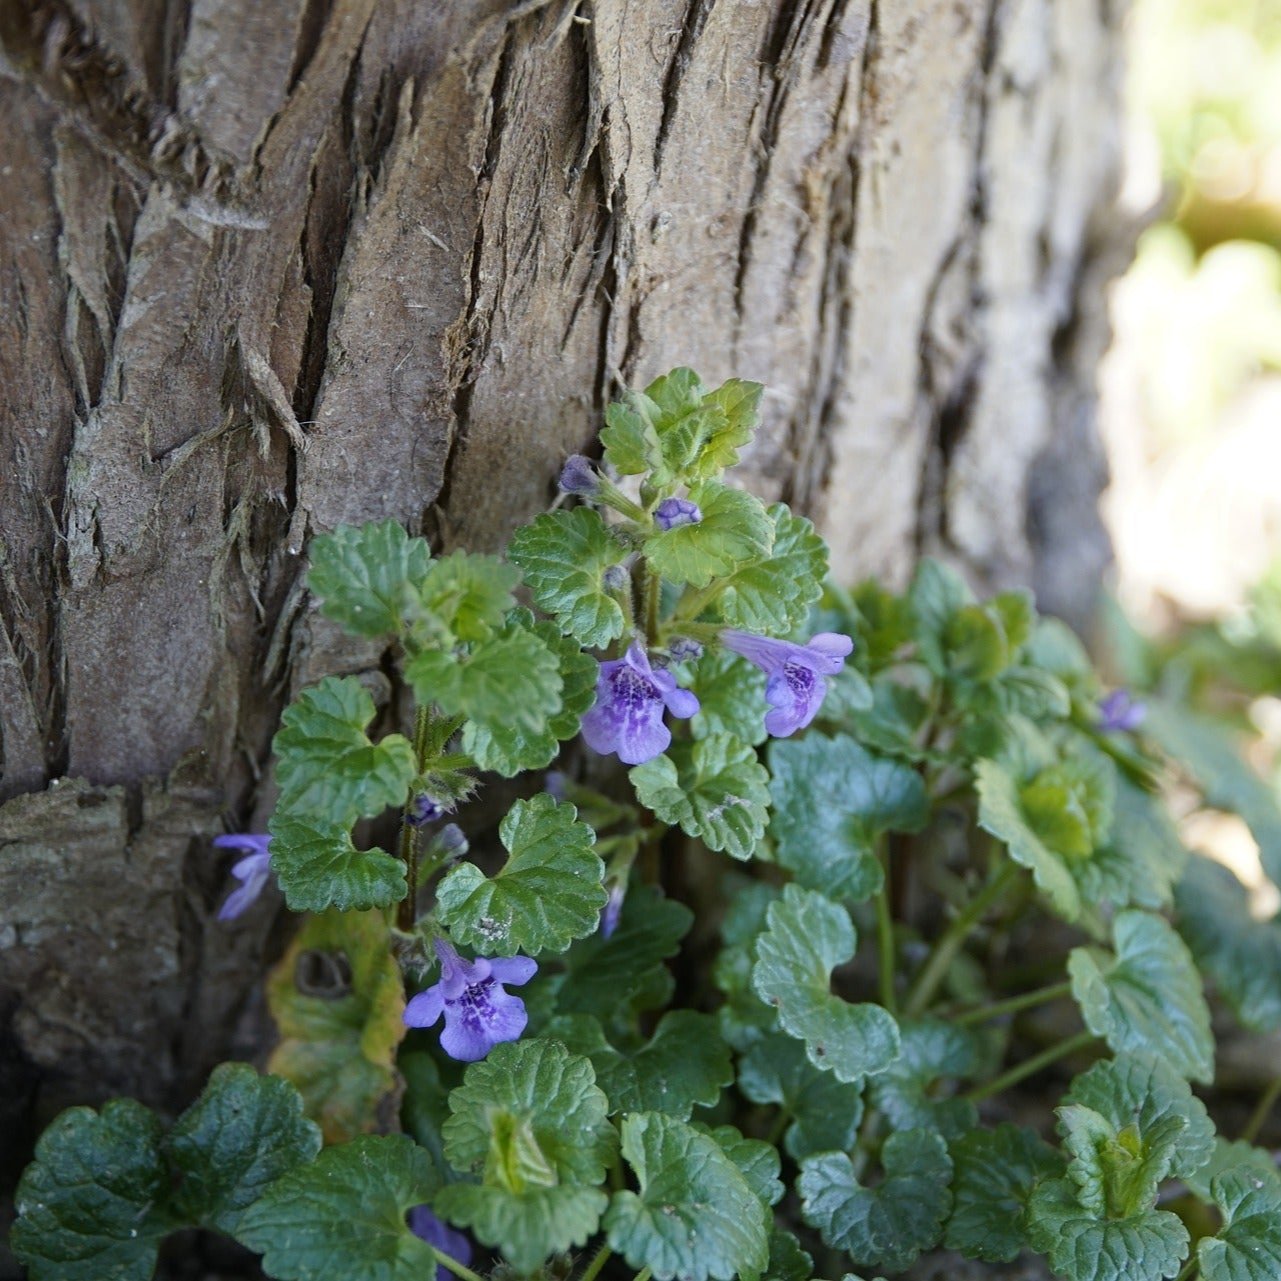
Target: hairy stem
<point x="458" y="1269"/>
<point x="1029" y="1067"/>
<point x="599" y="1259"/>
<point x="953" y="939"/>
<point x="407" y="912"/>
<point x="885" y="939"/>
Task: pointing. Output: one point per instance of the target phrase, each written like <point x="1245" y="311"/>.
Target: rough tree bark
<point x="270" y="265"/>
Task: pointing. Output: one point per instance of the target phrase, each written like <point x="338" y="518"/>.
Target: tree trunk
<point x="272" y="265"/>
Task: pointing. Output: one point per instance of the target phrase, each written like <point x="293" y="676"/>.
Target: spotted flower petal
<point x="795" y="687"/>
<point x="627" y="716"/>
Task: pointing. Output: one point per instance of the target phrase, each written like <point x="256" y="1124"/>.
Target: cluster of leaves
<point x="810" y="1087"/>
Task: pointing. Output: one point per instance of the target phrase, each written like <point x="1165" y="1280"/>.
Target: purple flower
<point x="425" y="1225"/>
<point x="672" y="512"/>
<point x="579" y="476"/>
<point x="613" y="909"/>
<point x="627" y="716"/>
<point x="425" y="809"/>
<point x="1119" y="711"/>
<point x="683" y="649"/>
<point x="253" y="871"/>
<point x="795" y="688"/>
<point x="478" y="1012"/>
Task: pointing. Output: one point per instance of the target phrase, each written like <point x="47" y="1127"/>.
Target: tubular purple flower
<point x="425" y="809"/>
<point x="579" y="476"/>
<point x="613" y="909"/>
<point x="796" y="686"/>
<point x="253" y="871"/>
<point x="478" y="1012"/>
<point x="1121" y="711"/>
<point x="426" y="1226"/>
<point x="672" y="512"/>
<point x="627" y="716"/>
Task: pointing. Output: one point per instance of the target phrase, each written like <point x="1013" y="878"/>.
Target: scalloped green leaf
<point x="713" y="788"/>
<point x="808" y="936"/>
<point x="511" y="747"/>
<point x="1082" y="1246"/>
<point x="1146" y="999"/>
<point x="530" y="1121"/>
<point x="91" y="1206"/>
<point x="908" y="1093"/>
<point x="469" y="593"/>
<point x="996" y="1172"/>
<point x="564" y="556"/>
<point x="774" y="594"/>
<point x="735" y="407"/>
<point x="326" y="764"/>
<point x="891" y="1223"/>
<point x="1228" y="1156"/>
<point x="832" y="801"/>
<point x="318" y="867"/>
<point x="731" y="693"/>
<point x="1248" y="1245"/>
<point x="242" y="1133"/>
<point x="825" y="1111"/>
<point x="683" y="1065"/>
<point x="545" y="896"/>
<point x="1240" y="953"/>
<point x="694" y="1215"/>
<point x="343" y="1216"/>
<point x="511" y="677"/>
<point x="735" y="529"/>
<point x="366" y="576"/>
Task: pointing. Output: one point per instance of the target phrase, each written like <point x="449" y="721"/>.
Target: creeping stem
<point x="1013" y="1004"/>
<point x="407" y="912"/>
<point x="885" y="938"/>
<point x="458" y="1269"/>
<point x="1260" y="1114"/>
<point x="953" y="939"/>
<point x="1029" y="1067"/>
<point x="599" y="1260"/>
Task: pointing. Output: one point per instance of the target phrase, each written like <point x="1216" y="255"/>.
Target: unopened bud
<point x="615" y="578"/>
<point x="579" y="476"/>
<point x="672" y="512"/>
<point x="683" y="649"/>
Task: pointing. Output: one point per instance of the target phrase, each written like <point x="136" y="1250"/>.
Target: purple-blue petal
<point x="425" y="1225"/>
<point x="424" y="1009"/>
<point x="516" y="970"/>
<point x="579" y="476"/>
<point x="674" y="512"/>
<point x="250" y="842"/>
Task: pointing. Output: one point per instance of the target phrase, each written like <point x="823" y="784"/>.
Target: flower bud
<point x="615" y="578"/>
<point x="673" y="512"/>
<point x="579" y="476"/>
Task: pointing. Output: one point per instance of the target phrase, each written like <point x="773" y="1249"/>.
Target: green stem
<point x="868" y="1133"/>
<point x="1260" y="1113"/>
<point x="779" y="1128"/>
<point x="953" y="939"/>
<point x="885" y="941"/>
<point x="407" y="912"/>
<point x="599" y="1259"/>
<point x="458" y="1269"/>
<point x="1188" y="1270"/>
<point x="653" y="590"/>
<point x="1013" y="1004"/>
<point x="644" y="1274"/>
<point x="1029" y="1067"/>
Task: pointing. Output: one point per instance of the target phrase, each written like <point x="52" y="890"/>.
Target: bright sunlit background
<point x="1192" y="388"/>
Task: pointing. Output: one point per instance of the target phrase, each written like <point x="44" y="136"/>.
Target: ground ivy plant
<point x="849" y="926"/>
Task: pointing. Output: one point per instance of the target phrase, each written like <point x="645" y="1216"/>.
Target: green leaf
<point x="684" y="1064"/>
<point x="564" y="556"/>
<point x="606" y="974"/>
<point x="1082" y="1246"/>
<point x="832" y="801"/>
<point x="736" y="412"/>
<point x="787" y="1261"/>
<point x="242" y="1133"/>
<point x="1141" y="860"/>
<point x="893" y="1222"/>
<point x="1070" y="804"/>
<point x="1241" y="954"/>
<point x="469" y="594"/>
<point x="825" y="1111"/>
<point x="1154" y="1126"/>
<point x="757" y="1161"/>
<point x="937" y="593"/>
<point x="547" y="894"/>
<point x="694" y="1216"/>
<point x="365" y="576"/>
<point x="808" y="936"/>
<point x="774" y="594"/>
<point x="425" y="1107"/>
<point x="509" y="678"/>
<point x="1238" y="1155"/>
<point x="744" y="1018"/>
<point x="629" y="437"/>
<point x="1148" y="999"/>
<point x="531" y="1122"/>
<point x="714" y="788"/>
<point x="1001" y="813"/>
<point x="1227" y="780"/>
<point x="338" y="999"/>
<point x="735" y="529"/>
<point x="731" y="693"/>
<point x="907" y="1091"/>
<point x="91" y="1205"/>
<point x="996" y="1173"/>
<point x="1248" y="1246"/>
<point x="510" y="748"/>
<point x="327" y="765"/>
<point x="343" y="1216"/>
<point x="318" y="867"/>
